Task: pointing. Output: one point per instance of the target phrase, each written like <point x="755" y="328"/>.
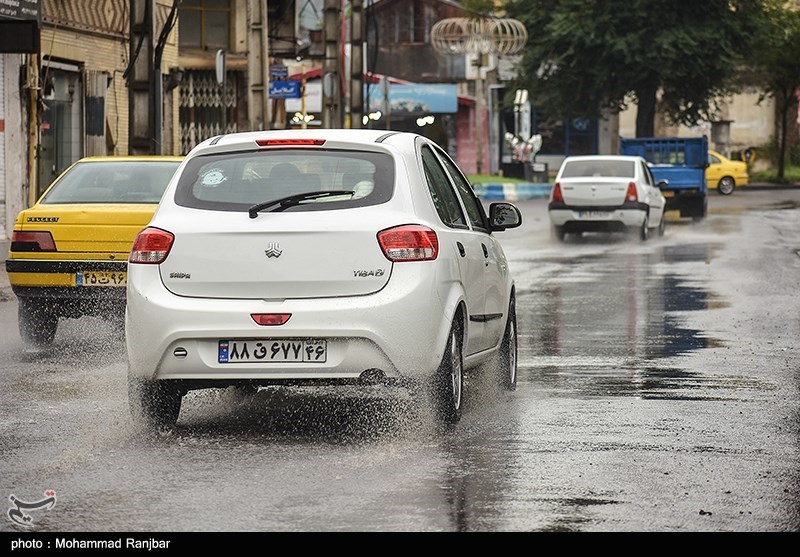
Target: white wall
<point x="13" y="179"/>
<point x="752" y="124"/>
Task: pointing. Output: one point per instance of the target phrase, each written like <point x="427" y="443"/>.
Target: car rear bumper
<point x="596" y="219"/>
<point x="399" y="330"/>
<point x="54" y="283"/>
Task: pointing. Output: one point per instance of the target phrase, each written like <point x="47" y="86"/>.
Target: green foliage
<point x="583" y="56"/>
<point x="770" y="151"/>
<point x="479" y="6"/>
<point x="791" y="175"/>
<point x="491" y="179"/>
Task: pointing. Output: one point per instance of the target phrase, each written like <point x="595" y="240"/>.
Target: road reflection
<point x="610" y="318"/>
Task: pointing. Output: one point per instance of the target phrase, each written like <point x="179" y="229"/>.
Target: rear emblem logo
<point x="273" y="250"/>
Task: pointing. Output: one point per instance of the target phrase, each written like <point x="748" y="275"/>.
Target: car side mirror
<point x="662" y="184"/>
<point x="503" y="216"/>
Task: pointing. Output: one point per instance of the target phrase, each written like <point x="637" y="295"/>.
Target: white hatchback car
<point x="324" y="256"/>
<point x="606" y="193"/>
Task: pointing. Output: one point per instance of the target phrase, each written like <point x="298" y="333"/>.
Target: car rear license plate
<point x="594" y="214"/>
<point x="668" y="193"/>
<point x="101" y="278"/>
<point x="272" y="350"/>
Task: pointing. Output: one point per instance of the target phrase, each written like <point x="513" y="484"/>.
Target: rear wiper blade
<point x="292" y="200"/>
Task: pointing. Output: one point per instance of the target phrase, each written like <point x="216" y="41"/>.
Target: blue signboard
<point x="284" y="89"/>
<point x="416" y="99"/>
<point x="278" y="71"/>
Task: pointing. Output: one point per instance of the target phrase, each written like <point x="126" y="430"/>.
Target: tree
<point x="775" y="66"/>
<point x="584" y="56"/>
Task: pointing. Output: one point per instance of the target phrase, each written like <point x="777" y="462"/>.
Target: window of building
<point x="205" y="24"/>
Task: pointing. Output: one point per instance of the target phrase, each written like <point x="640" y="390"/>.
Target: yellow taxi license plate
<point x="101" y="278"/>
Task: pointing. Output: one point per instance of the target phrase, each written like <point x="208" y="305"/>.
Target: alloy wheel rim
<point x="455" y="373"/>
<point x="512" y="353"/>
<point x="725" y="186"/>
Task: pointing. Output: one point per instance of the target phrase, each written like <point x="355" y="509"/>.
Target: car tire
<point x="449" y="381"/>
<point x="558" y="233"/>
<point x="507" y="365"/>
<point x="662" y="225"/>
<point x="37" y="323"/>
<point x="644" y="231"/>
<point x="726" y="185"/>
<point x="154" y="403"/>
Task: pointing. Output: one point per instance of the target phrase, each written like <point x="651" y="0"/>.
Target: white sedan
<point x="606" y="193"/>
<point x="318" y="257"/>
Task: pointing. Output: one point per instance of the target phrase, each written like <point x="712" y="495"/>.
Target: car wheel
<point x="37" y="323"/>
<point x="507" y="368"/>
<point x="449" y="382"/>
<point x="558" y="233"/>
<point x="154" y="403"/>
<point x="726" y="185"/>
<point x="644" y="231"/>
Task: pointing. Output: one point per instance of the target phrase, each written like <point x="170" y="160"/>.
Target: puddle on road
<point x="611" y="320"/>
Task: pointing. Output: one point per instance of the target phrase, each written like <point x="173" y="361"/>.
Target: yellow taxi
<point x="69" y="252"/>
<point x="724" y="174"/>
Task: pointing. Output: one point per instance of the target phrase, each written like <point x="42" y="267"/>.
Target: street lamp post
<point x="478" y="36"/>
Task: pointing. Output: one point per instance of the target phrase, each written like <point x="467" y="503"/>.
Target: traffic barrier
<point x="515" y="191"/>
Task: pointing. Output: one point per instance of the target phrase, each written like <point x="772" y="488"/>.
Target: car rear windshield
<point x="240" y="180"/>
<point x="598" y="168"/>
<point x="113" y="182"/>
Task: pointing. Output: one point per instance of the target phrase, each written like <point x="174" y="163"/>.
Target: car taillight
<point x="631" y="194"/>
<point x="289" y="142"/>
<point x="409" y="242"/>
<point x="32" y="241"/>
<point x="270" y="319"/>
<point x="152" y="245"/>
<point x="557" y="195"/>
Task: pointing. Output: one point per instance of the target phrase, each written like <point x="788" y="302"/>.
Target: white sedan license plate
<point x="272" y="350"/>
<point x="595" y="214"/>
<point x="101" y="278"/>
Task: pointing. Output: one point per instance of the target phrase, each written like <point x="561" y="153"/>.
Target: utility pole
<point x="356" y="64"/>
<point x="260" y="116"/>
<point x="331" y="86"/>
<point x="140" y="75"/>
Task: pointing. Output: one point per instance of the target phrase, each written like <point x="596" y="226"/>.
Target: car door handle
<point x="461" y="249"/>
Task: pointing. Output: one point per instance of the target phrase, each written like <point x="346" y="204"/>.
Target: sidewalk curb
<point x="518" y="191"/>
<point x="512" y="191"/>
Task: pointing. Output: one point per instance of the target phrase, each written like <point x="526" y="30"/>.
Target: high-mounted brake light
<point x="631" y="194"/>
<point x="152" y="246"/>
<point x="32" y="241"/>
<point x="409" y="242"/>
<point x="557" y="195"/>
<point x="289" y="142"/>
<point x="270" y="319"/>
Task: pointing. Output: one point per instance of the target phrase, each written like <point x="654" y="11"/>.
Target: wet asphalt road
<point x="658" y="391"/>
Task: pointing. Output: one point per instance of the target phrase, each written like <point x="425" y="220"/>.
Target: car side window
<point x="444" y="198"/>
<point x="646" y="174"/>
<point x="475" y="211"/>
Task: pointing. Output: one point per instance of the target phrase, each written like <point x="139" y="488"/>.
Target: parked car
<point x="599" y="193"/>
<point x="318" y="256"/>
<point x="725" y="174"/>
<point x="69" y="251"/>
